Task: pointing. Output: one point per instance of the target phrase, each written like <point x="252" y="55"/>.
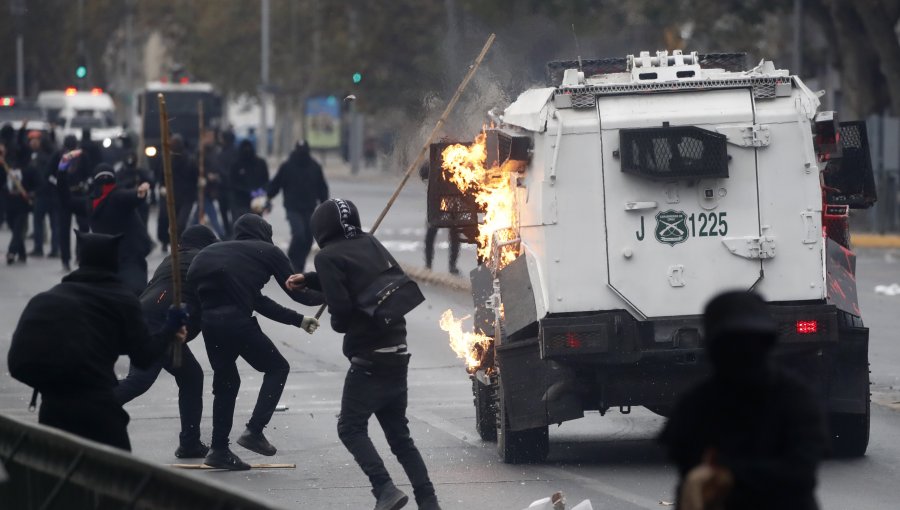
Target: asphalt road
<point x="610" y="460"/>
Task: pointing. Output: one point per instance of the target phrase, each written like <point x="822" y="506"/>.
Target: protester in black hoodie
<point x="348" y="262"/>
<point x="155" y="301"/>
<point x="752" y="435"/>
<point x="229" y="277"/>
<point x="247" y="179"/>
<point x="115" y="211"/>
<point x="68" y="339"/>
<point x="304" y="188"/>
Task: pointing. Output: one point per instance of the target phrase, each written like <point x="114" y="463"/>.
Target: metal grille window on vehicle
<point x="673" y="152"/>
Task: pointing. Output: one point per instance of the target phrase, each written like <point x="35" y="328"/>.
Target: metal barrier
<point x="49" y="468"/>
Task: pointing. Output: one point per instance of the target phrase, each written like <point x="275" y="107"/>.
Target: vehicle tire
<point x="485" y="410"/>
<point x="523" y="446"/>
<point x="850" y="432"/>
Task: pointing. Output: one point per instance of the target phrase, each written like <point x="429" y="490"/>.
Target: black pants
<point x="385" y="396"/>
<point x="188" y="377"/>
<point x="430" y="235"/>
<point x="94" y="416"/>
<point x="182" y="215"/>
<point x="227" y="338"/>
<point x="73" y="206"/>
<point x="133" y="273"/>
<point x="225" y="211"/>
<point x="301" y="238"/>
<point x="18" y="223"/>
<point x="46" y="206"/>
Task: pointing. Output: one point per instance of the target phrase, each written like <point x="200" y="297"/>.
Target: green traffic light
<point x="81" y="71"/>
<point x="357" y="77"/>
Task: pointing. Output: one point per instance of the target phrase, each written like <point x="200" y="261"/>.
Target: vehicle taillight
<point x="7" y="101"/>
<point x="70" y="91"/>
<point x="807" y="327"/>
<point x="96" y="91"/>
<point x="572" y="341"/>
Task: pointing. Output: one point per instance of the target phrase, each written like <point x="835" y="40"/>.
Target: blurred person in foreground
<point x="155" y="301"/>
<point x="229" y="278"/>
<point x="752" y="435"/>
<point x="115" y="210"/>
<point x="376" y="382"/>
<point x="304" y="188"/>
<point x="68" y="339"/>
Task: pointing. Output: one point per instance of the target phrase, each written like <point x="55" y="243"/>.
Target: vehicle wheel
<point x="523" y="446"/>
<point x="485" y="410"/>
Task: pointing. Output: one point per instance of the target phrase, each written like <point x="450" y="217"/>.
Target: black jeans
<point x="385" y="396"/>
<point x="92" y="415"/>
<point x="18" y="223"/>
<point x="188" y="377"/>
<point x="226" y="338"/>
<point x="46" y="206"/>
<point x="453" y="236"/>
<point x="133" y="273"/>
<point x="301" y="238"/>
<point x="72" y="206"/>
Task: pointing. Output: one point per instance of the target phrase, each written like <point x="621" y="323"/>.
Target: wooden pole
<point x="173" y="219"/>
<point x="201" y="176"/>
<point x="427" y="145"/>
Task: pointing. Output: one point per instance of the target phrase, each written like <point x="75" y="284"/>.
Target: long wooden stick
<point x="427" y="145"/>
<point x="173" y="220"/>
<point x="201" y="176"/>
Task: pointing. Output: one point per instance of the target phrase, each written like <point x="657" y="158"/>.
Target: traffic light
<point x="357" y="77"/>
<point x="81" y="69"/>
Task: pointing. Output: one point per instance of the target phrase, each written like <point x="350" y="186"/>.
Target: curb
<point x="875" y="240"/>
<point x="450" y="281"/>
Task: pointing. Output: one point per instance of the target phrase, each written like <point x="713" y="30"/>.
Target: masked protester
<point x="248" y="178"/>
<point x="68" y="339"/>
<point x="752" y="435"/>
<point x="46" y="202"/>
<point x="19" y="184"/>
<point x="131" y="176"/>
<point x="72" y="177"/>
<point x="114" y="211"/>
<point x="304" y="188"/>
<point x="155" y="301"/>
<point x="229" y="277"/>
<point x="376" y="381"/>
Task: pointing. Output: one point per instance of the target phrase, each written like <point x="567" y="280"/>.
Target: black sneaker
<point x="391" y="498"/>
<point x="224" y="458"/>
<point x="429" y="504"/>
<point x="256" y="443"/>
<point x="196" y="450"/>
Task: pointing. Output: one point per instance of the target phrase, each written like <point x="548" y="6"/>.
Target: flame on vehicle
<point x="470" y="347"/>
<point x="494" y="192"/>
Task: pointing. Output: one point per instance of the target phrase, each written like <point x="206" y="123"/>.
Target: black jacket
<point x="184" y="177"/>
<point x="302" y="180"/>
<point x="350" y="260"/>
<point x="92" y="319"/>
<point x="231" y="274"/>
<point x="28" y="178"/>
<point x="248" y="173"/>
<point x="117" y="214"/>
<point x="769" y="433"/>
<point x="157" y="297"/>
<point x="133" y="176"/>
<point x="40" y="162"/>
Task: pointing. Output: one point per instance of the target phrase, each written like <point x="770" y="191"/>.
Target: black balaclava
<point x="740" y="334"/>
<point x="98" y="251"/>
<point x="246" y="152"/>
<point x="334" y="219"/>
<point x="197" y="237"/>
<point x="252" y="226"/>
<point x="70" y="143"/>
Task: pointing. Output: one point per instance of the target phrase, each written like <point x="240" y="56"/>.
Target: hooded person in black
<point x="130" y="175"/>
<point x="72" y="177"/>
<point x="350" y="260"/>
<point x="752" y="434"/>
<point x="19" y="184"/>
<point x="155" y="301"/>
<point x="114" y="210"/>
<point x="304" y="188"/>
<point x="248" y="178"/>
<point x="228" y="278"/>
<point x="68" y="339"/>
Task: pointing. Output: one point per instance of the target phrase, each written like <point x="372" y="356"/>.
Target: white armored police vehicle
<point x="644" y="187"/>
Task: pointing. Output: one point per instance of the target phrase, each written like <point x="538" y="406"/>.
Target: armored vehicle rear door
<point x="681" y="202"/>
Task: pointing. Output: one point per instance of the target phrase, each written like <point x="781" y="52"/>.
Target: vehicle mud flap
<point x="849" y="400"/>
<point x="522" y="446"/>
<point x="524" y="381"/>
<point x="482" y="288"/>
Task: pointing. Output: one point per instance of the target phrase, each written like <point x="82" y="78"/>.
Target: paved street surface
<point x="610" y="460"/>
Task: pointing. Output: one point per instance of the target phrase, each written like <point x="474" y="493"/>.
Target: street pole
<point x="263" y="139"/>
<point x="18" y="13"/>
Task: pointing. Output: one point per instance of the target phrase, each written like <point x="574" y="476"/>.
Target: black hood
<point x="197" y="237"/>
<point x="246" y="151"/>
<point x="300" y="154"/>
<point x="335" y="219"/>
<point x="98" y="251"/>
<point x="740" y="333"/>
<point x="252" y="226"/>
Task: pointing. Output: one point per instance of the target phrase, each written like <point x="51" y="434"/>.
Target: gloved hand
<point x="176" y="317"/>
<point x="309" y="324"/>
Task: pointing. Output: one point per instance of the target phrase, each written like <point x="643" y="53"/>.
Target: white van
<point x="73" y="110"/>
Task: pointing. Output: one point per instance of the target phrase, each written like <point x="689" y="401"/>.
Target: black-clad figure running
<point x="348" y="262"/>
<point x="155" y="301"/>
<point x="229" y="277"/>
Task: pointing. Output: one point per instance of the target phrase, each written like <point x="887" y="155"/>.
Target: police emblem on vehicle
<point x="671" y="228"/>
